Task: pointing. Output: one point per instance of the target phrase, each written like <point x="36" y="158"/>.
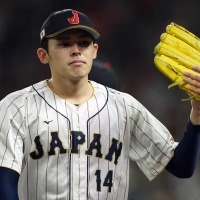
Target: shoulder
<point x="121" y="102"/>
<point x="115" y="95"/>
<point x="18" y="97"/>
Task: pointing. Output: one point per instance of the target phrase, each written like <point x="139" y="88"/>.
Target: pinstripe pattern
<point x="65" y="152"/>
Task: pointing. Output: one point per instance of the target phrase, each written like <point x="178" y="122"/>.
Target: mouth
<point x="77" y="62"/>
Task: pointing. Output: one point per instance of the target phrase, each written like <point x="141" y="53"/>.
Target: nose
<point x="75" y="50"/>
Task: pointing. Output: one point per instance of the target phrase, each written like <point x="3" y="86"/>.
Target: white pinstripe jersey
<point x="66" y="152"/>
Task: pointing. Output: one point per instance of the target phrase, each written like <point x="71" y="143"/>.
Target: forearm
<point x="186" y="153"/>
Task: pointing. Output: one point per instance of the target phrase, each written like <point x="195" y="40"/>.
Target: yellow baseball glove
<point x="176" y="53"/>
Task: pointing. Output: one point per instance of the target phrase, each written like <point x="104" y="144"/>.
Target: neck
<point x="76" y="92"/>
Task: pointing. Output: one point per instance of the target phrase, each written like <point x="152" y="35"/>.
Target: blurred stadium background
<point x="129" y="30"/>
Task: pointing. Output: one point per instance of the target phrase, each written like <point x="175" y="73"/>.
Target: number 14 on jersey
<point x="107" y="181"/>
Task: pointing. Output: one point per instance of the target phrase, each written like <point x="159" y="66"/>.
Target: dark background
<point x="130" y="29"/>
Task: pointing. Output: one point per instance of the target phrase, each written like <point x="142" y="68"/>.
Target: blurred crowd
<point x="129" y="30"/>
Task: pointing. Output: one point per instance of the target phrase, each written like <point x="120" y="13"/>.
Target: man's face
<point x="71" y="54"/>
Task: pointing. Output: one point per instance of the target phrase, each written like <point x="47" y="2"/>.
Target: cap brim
<point x="89" y="30"/>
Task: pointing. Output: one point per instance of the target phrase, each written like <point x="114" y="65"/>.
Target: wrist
<point x="195" y="117"/>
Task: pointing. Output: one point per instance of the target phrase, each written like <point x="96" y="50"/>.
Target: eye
<point x="64" y="44"/>
<point x="84" y="43"/>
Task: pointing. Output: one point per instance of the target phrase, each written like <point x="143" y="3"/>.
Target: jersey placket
<point x="79" y="159"/>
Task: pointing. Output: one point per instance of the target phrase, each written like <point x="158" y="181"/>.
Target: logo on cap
<point x="42" y="34"/>
<point x="74" y="19"/>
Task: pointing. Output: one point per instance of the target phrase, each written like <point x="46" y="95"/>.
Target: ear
<point x="43" y="56"/>
<point x="95" y="50"/>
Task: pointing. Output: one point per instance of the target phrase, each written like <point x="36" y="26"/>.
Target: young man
<point x="71" y="138"/>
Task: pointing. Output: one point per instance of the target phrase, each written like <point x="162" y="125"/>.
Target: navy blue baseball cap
<point x="64" y="20"/>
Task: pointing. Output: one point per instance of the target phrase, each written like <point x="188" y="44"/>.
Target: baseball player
<point x="69" y="138"/>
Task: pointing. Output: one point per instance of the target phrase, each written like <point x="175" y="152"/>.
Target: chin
<point x="78" y="78"/>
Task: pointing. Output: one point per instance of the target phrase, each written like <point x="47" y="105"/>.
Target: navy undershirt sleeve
<point x="8" y="184"/>
<point x="186" y="154"/>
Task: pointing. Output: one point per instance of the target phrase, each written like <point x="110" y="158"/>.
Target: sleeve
<point x="8" y="184"/>
<point x="186" y="154"/>
<point x="11" y="133"/>
<point x="151" y="144"/>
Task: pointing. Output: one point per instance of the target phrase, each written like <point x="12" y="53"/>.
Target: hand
<point x="194" y="81"/>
